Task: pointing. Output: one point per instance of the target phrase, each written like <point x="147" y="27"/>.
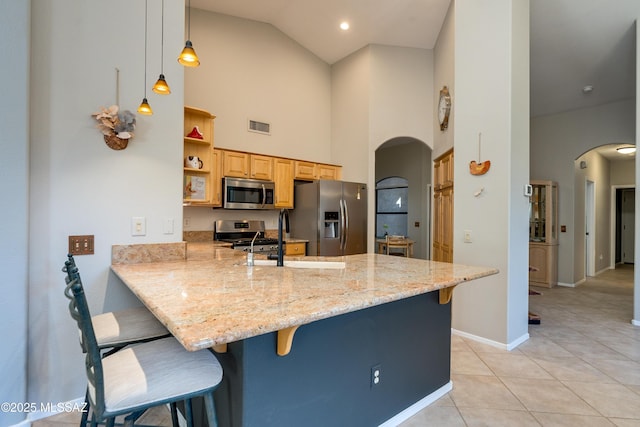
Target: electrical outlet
<point x="467" y="236"/>
<point x="81" y="245"/>
<point x="376" y="372"/>
<point x="138" y="226"/>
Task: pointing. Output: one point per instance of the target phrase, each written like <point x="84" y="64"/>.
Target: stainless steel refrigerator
<point x="332" y="216"/>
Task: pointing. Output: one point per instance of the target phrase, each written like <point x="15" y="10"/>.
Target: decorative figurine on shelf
<point x="195" y="133"/>
<point x="116" y="126"/>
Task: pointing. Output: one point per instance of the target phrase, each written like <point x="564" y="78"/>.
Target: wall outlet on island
<point x="376" y="372"/>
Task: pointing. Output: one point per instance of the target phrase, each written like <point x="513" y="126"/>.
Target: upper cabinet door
<point x="235" y="164"/>
<point x="261" y="167"/>
<point x="283" y="178"/>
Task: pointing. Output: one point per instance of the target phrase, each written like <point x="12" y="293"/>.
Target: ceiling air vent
<point x="259" y="127"/>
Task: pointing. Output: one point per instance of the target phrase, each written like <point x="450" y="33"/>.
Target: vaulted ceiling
<point x="574" y="43"/>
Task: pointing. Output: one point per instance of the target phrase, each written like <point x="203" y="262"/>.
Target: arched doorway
<point x="410" y="159"/>
<point x="603" y="221"/>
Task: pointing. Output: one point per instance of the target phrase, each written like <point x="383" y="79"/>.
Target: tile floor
<point x="581" y="367"/>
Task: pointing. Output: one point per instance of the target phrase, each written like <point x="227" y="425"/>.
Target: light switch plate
<point x="81" y="245"/>
<point x="167" y="226"/>
<point x="138" y="226"/>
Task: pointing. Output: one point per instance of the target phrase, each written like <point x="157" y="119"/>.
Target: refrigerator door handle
<point x="342" y="230"/>
<point x="345" y="231"/>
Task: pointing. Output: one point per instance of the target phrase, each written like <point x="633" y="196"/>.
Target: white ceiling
<point x="573" y="42"/>
<point x="315" y="24"/>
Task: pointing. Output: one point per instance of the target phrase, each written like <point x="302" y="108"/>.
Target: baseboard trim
<point x="509" y="346"/>
<point x="571" y="285"/>
<point x="418" y="406"/>
<point x="635" y="322"/>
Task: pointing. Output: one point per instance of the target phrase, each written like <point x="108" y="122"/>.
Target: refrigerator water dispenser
<point x="331" y="225"/>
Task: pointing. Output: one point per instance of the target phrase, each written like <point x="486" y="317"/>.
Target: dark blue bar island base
<point x="327" y="378"/>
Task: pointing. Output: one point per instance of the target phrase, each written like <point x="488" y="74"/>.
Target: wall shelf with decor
<point x="199" y="186"/>
<point x="543" y="234"/>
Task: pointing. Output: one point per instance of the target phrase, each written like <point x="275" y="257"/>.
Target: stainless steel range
<point x="242" y="233"/>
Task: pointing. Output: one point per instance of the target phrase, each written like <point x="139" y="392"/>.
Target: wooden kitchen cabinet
<point x="283" y="179"/>
<point x="198" y="184"/>
<point x="216" y="178"/>
<point x="296" y="248"/>
<point x="235" y="163"/>
<point x="246" y="165"/>
<point x="443" y="208"/>
<point x="261" y="167"/>
<point x="305" y="170"/>
<point x="328" y="171"/>
<point x="309" y="171"/>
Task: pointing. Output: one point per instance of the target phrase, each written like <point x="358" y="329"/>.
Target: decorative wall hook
<point x="479" y="167"/>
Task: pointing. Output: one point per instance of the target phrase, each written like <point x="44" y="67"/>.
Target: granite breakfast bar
<point x="300" y="346"/>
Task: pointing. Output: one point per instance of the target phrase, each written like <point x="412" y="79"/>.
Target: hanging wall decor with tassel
<point x="116" y="126"/>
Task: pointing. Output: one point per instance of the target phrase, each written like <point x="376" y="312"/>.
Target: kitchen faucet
<point x="284" y="217"/>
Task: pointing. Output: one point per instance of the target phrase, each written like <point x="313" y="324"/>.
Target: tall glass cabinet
<point x="543" y="234"/>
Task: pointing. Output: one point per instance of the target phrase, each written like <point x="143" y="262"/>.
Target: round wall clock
<point x="444" y="108"/>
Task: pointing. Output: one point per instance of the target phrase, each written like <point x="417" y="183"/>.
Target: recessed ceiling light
<point x="344" y="25"/>
<point x="587" y="89"/>
<point x="626" y="150"/>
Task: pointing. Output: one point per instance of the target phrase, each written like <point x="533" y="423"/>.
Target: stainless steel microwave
<point x="242" y="193"/>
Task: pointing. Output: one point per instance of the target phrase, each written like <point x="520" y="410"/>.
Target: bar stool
<point x="116" y="329"/>
<point x="143" y="375"/>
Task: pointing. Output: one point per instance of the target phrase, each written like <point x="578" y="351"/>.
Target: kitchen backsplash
<point x="197" y="219"/>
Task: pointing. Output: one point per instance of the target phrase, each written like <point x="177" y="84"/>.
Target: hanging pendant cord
<point x="145" y="48"/>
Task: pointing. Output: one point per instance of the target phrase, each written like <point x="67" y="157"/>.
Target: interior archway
<point x="410" y="158"/>
<point x="602" y="174"/>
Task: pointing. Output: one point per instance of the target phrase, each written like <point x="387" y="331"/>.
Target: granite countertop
<point x="212" y="297"/>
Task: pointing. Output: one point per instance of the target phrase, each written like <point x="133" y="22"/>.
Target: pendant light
<point x="161" y="87"/>
<point x="188" y="57"/>
<point x="145" y="108"/>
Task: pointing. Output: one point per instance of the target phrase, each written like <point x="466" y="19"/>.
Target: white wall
<point x="251" y="70"/>
<point x="401" y="93"/>
<point x="351" y="115"/>
<point x="14" y="227"/>
<point x="623" y="172"/>
<point x="597" y="171"/>
<point x="78" y="184"/>
<point x="443" y="75"/>
<point x="377" y="94"/>
<point x="492" y="97"/>
<point x="556" y="142"/>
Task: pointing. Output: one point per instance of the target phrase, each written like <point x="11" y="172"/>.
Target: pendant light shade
<point x="145" y="108"/>
<point x="161" y="87"/>
<point x="188" y="56"/>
